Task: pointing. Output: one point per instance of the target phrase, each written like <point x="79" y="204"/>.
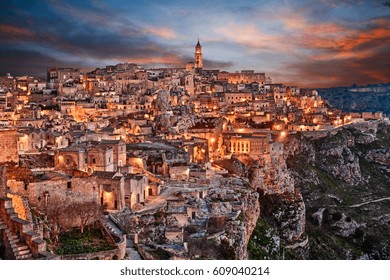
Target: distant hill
<point x="370" y="98"/>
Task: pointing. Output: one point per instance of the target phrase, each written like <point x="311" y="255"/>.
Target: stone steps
<point x="24" y="257"/>
<point x="2" y="224"/>
<point x="13" y="239"/>
<point x="22" y="247"/>
<point x="23" y="252"/>
<point x="10" y="222"/>
<point x="20" y="250"/>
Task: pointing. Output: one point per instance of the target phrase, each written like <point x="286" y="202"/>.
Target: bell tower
<point x="198" y="56"/>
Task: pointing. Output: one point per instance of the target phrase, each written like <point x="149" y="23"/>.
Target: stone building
<point x="245" y="143"/>
<point x="245" y="76"/>
<point x="8" y="146"/>
<point x="111" y="189"/>
<point x="137" y="189"/>
<point x="179" y="172"/>
<point x="57" y="75"/>
<point x="119" y="150"/>
<point x="117" y="190"/>
<point x="41" y="189"/>
<point x="100" y="158"/>
<point x="70" y="158"/>
<point x="235" y="97"/>
<point x="86" y="157"/>
<point x="198" y="56"/>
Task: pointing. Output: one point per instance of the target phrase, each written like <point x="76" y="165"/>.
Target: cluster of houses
<point x="117" y="133"/>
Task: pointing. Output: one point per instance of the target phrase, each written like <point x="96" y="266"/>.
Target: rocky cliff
<point x="282" y="224"/>
<point x="344" y="181"/>
<point x="326" y="197"/>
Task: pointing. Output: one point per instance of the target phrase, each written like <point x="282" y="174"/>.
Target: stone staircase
<point x="19" y="249"/>
<point x="22" y="242"/>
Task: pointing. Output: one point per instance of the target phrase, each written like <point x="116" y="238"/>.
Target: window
<point x="93" y="160"/>
<point x="69" y="185"/>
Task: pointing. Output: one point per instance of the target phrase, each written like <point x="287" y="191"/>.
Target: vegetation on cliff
<point x="346" y="191"/>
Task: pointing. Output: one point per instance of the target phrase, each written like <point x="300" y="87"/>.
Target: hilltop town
<point x="156" y="159"/>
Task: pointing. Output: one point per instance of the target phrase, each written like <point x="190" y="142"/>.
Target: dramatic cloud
<point x="33" y="62"/>
<point x="320" y="43"/>
<point x="164" y="32"/>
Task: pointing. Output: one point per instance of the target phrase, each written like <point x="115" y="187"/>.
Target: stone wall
<point x="75" y="189"/>
<point x="179" y="173"/>
<point x="181" y="218"/>
<point x="20" y="206"/>
<point x="3" y="180"/>
<point x="136" y="162"/>
<point x="174" y="235"/>
<point x="8" y="146"/>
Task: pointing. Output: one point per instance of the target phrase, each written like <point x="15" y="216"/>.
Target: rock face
<point x="233" y="240"/>
<point x="217" y="226"/>
<point x="271" y="176"/>
<point x="379" y="156"/>
<point x="327" y="198"/>
<point x="335" y="157"/>
<point x="233" y="165"/>
<point x="282" y="209"/>
<point x="344" y="184"/>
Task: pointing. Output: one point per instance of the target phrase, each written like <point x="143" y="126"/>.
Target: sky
<point x="320" y="43"/>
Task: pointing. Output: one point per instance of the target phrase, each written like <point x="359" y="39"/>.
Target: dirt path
<point x="371" y="201"/>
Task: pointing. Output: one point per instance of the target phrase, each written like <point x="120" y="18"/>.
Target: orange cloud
<point x="253" y="37"/>
<point x="329" y="40"/>
<point x="164" y="32"/>
<point x="14" y="32"/>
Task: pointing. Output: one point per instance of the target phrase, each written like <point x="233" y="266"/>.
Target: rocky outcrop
<point x="217" y="226"/>
<point x="233" y="165"/>
<point x="271" y="176"/>
<point x="282" y="206"/>
<point x="345" y="189"/>
<point x="380" y="156"/>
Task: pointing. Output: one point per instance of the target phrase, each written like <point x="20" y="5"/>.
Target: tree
<point x="54" y="209"/>
<point x="86" y="213"/>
